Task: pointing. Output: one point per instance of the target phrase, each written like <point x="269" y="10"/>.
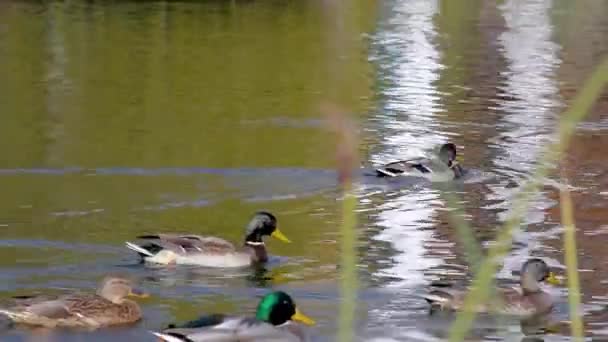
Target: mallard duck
<point x="210" y="251"/>
<point x="442" y="167"/>
<point x="530" y="301"/>
<point x="275" y="319"/>
<point x="107" y="307"/>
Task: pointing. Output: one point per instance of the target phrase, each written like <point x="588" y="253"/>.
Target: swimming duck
<point x="274" y="321"/>
<point x="530" y="301"/>
<point x="210" y="251"/>
<point x="107" y="307"/>
<point x="442" y="167"/>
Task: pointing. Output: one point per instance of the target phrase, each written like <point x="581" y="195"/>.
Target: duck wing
<point x="445" y="299"/>
<point x="47" y="313"/>
<point x="513" y="302"/>
<point x="54" y="309"/>
<point x="218" y="328"/>
<point x="215" y="245"/>
<point x="22" y="302"/>
<point x="518" y="304"/>
<point x="396" y="168"/>
<point x="98" y="311"/>
<point x="190" y="243"/>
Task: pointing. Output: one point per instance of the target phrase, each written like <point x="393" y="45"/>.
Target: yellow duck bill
<point x="280" y="236"/>
<point x="302" y="318"/>
<point x="552" y="279"/>
<point x="137" y="293"/>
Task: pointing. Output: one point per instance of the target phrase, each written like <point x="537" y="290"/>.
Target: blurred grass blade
<point x="348" y="271"/>
<point x="457" y="219"/>
<point x="346" y="159"/>
<point x="567" y="125"/>
<point x="472" y="247"/>
<point x="574" y="289"/>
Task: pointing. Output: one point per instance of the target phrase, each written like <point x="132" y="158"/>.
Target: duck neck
<point x="457" y="169"/>
<point x="109" y="294"/>
<point x="254" y="239"/>
<point x="529" y="284"/>
<point x="255" y="245"/>
<point x="257" y="250"/>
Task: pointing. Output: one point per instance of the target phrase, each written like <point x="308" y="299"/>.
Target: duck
<point x="529" y="301"/>
<point x="211" y="251"/>
<point x="109" y="306"/>
<point x="275" y="320"/>
<point x="442" y="167"/>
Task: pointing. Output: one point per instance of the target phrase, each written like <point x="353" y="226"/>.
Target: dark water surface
<point x="124" y="118"/>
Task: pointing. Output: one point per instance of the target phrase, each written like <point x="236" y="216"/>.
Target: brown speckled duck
<point x="109" y="306"/>
<point x="530" y="301"/>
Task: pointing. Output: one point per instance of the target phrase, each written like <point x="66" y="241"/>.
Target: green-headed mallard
<point x="530" y="301"/>
<point x="440" y="168"/>
<point x="274" y="321"/>
<point x="109" y="306"/>
<point x="210" y="251"/>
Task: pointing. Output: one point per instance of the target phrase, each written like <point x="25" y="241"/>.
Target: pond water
<point x="128" y="117"/>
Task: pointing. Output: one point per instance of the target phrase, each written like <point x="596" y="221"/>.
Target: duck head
<point x="263" y="224"/>
<point x="116" y="289"/>
<point x="535" y="271"/>
<point x="277" y="308"/>
<point x="447" y="154"/>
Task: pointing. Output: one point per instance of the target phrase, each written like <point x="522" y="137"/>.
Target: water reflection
<point x="528" y="115"/>
<point x="409" y="127"/>
<point x="411" y="122"/>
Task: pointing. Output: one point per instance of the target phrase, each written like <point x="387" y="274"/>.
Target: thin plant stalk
<point x="346" y="159"/>
<point x="567" y="125"/>
<point x="574" y="288"/>
<point x="473" y="251"/>
<point x="348" y="270"/>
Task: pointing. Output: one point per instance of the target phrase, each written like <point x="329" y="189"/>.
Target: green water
<point x="143" y="117"/>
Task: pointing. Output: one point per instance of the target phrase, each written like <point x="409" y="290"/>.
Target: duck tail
<point x="439" y="298"/>
<point x="171" y="337"/>
<point x="149" y="237"/>
<point x="141" y="250"/>
<point x="17" y="317"/>
<point x="380" y="172"/>
<point x="6" y="313"/>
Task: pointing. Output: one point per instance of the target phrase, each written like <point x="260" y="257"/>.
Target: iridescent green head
<point x="277" y="308"/>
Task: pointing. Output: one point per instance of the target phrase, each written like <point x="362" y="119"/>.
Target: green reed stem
<point x="574" y="288"/>
<point x="471" y="246"/>
<point x="567" y="125"/>
<point x="348" y="269"/>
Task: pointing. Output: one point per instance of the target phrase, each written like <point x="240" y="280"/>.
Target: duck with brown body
<point x="531" y="300"/>
<point x="211" y="251"/>
<point x="109" y="306"/>
<point x="441" y="168"/>
<point x="275" y="320"/>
